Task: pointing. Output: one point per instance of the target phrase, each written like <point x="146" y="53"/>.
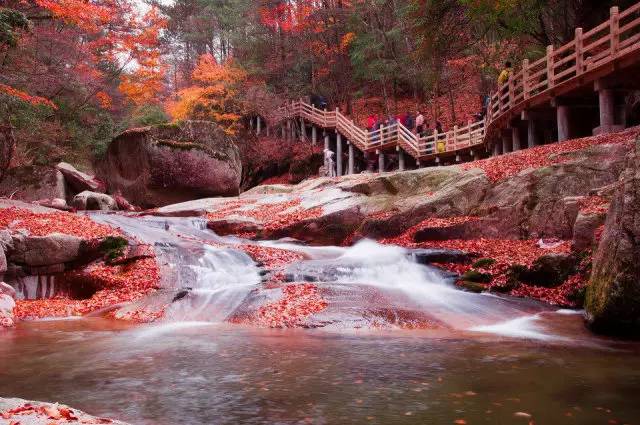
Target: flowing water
<point x="489" y="360"/>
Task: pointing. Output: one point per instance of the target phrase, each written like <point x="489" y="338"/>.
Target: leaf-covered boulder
<point x="171" y="163"/>
<point x="612" y="301"/>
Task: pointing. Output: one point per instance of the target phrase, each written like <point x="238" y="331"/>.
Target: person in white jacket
<point x="329" y="163"/>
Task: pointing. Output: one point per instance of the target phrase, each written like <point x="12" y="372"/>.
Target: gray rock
<point x="31" y="183"/>
<point x="612" y="300"/>
<point x="428" y="256"/>
<point x="44" y="250"/>
<point x="94" y="201"/>
<point x="34" y="418"/>
<point x="78" y="180"/>
<point x="165" y="164"/>
<point x="584" y="230"/>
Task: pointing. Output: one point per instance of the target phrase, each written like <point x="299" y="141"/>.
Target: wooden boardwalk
<point x="591" y="59"/>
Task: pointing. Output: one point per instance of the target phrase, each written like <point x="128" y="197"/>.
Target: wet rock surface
<point x="613" y="295"/>
<point x="94" y="201"/>
<point x="27" y="412"/>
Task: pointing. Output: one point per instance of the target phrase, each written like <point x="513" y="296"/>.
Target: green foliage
<point x="10" y="22"/>
<point x="482" y="263"/>
<point x="476" y="276"/>
<point x="113" y="247"/>
<point x="147" y="115"/>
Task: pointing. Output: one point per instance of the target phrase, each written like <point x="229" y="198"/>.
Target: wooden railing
<point x="587" y="52"/>
<point x="385" y="136"/>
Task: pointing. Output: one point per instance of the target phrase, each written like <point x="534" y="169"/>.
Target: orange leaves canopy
<point x="214" y="97"/>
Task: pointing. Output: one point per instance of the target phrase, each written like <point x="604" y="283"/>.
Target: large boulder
<point x="166" y="164"/>
<point x="32" y="183"/>
<point x="55" y="248"/>
<point x="94" y="201"/>
<point x="612" y="300"/>
<point x="28" y="412"/>
<point x="78" y="180"/>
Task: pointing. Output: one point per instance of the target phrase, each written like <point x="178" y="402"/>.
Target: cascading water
<point x="210" y="281"/>
<point x="363" y="283"/>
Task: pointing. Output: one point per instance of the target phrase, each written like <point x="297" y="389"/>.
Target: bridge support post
<point x="326" y="140"/>
<point x="562" y="119"/>
<point x="533" y="139"/>
<point x="515" y="138"/>
<point x="351" y="159"/>
<point x="475" y="155"/>
<point x="418" y="164"/>
<point x="282" y="132"/>
<point x="506" y="143"/>
<point x="497" y="148"/>
<point x="314" y="135"/>
<point x="266" y="129"/>
<point x="338" y="154"/>
<point x="380" y="162"/>
<point x="303" y="130"/>
<point x="289" y="133"/>
<point x="400" y="159"/>
<point x="258" y="125"/>
<point x="607" y="106"/>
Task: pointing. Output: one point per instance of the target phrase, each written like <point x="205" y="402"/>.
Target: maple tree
<point x="214" y="95"/>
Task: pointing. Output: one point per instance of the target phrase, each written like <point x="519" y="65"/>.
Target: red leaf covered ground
<point x="116" y="283"/>
<point x="298" y="302"/>
<point x="42" y="224"/>
<point x="505" y="253"/>
<point x="503" y="166"/>
<point x="123" y="283"/>
<point x="272" y="216"/>
<point x="50" y="414"/>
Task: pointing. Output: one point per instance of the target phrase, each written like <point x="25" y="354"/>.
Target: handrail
<point x="588" y="51"/>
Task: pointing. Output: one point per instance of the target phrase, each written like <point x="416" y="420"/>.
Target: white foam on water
<point x="166" y="328"/>
<point x="569" y="312"/>
<point x="525" y="327"/>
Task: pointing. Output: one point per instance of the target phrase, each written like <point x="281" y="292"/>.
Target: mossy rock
<point x="472" y="286"/>
<point x="476" y="276"/>
<point x="113" y="247"/>
<point x="483" y="263"/>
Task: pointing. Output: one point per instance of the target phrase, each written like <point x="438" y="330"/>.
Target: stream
<point x="486" y="360"/>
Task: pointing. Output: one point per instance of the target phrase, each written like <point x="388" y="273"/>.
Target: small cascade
<point x="36" y="287"/>
<point x="207" y="280"/>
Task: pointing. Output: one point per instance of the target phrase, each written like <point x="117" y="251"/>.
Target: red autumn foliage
<point x="594" y="205"/>
<point x="272" y="258"/>
<point x="503" y="166"/>
<point x="49" y="414"/>
<point x="120" y="283"/>
<point x="273" y="216"/>
<point x="505" y="253"/>
<point x="299" y="301"/>
<point x="42" y="224"/>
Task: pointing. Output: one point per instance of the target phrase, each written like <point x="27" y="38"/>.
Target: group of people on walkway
<point x="417" y="124"/>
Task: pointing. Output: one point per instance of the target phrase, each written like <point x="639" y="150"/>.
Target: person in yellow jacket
<point x="505" y="74"/>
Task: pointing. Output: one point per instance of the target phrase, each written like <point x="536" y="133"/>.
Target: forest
<point x="75" y="73"/>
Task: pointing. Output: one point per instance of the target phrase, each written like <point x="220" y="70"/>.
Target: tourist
<point x="409" y="121"/>
<point x="329" y="163"/>
<point x="505" y="74"/>
<point x="439" y="127"/>
<point x="419" y="122"/>
<point x="371" y="122"/>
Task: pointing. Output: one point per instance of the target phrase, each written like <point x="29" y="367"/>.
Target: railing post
<point x="550" y="78"/>
<point x="614" y="23"/>
<point x="338" y="154"/>
<point x="579" y="45"/>
<point x="455" y="136"/>
<point x="469" y="124"/>
<point x="525" y="78"/>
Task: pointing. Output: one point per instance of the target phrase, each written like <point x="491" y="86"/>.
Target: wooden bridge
<point x="539" y="104"/>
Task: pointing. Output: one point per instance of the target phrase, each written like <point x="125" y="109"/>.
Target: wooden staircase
<point x="592" y="56"/>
